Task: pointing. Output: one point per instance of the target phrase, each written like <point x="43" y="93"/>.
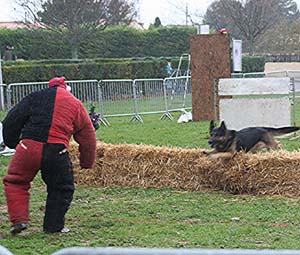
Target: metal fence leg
<point x="166" y="115"/>
<point x="104" y="121"/>
<point x="293" y="103"/>
<point x="136" y="116"/>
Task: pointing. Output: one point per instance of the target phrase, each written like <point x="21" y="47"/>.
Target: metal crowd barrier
<point x="149" y="95"/>
<point x="169" y="251"/>
<point x="17" y="91"/>
<point x="85" y="90"/>
<point x="3" y="88"/>
<point x="279" y="73"/>
<point x="179" y="93"/>
<point x="117" y="98"/>
<point x="248" y="75"/>
<point x="144" y="96"/>
<point x="293" y="73"/>
<point x="161" y="251"/>
<point x="133" y="98"/>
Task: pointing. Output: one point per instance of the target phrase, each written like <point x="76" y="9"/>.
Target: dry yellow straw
<point x="271" y="173"/>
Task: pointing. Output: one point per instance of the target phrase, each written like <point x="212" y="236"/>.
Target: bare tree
<point x="120" y="12"/>
<point x="249" y="19"/>
<point x="285" y="37"/>
<point x="77" y="20"/>
<point x="185" y="11"/>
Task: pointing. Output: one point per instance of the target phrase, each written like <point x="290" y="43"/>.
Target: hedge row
<point x="102" y="46"/>
<point x="114" y="42"/>
<point x="253" y="64"/>
<point x="116" y="52"/>
<point x="96" y="69"/>
<point x="86" y="70"/>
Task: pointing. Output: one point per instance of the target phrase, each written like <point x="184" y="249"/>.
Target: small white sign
<point x="237" y="55"/>
<point x="204" y="29"/>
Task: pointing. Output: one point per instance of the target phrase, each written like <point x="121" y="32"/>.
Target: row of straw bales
<point x="125" y="165"/>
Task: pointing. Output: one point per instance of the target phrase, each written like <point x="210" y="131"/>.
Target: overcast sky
<point x="169" y="11"/>
<point x="172" y="11"/>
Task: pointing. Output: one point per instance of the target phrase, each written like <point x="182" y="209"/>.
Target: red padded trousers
<point x="23" y="167"/>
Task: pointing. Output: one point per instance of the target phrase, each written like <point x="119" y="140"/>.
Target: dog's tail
<point x="282" y="130"/>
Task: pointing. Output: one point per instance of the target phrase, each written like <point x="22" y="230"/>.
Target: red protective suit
<point x="40" y="127"/>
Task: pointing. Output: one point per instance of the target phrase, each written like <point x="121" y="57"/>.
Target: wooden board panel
<point x="210" y="59"/>
<point x="254" y="86"/>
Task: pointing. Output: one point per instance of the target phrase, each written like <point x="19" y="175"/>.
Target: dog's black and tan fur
<point x="226" y="142"/>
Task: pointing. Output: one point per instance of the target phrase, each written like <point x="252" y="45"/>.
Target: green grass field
<point x="158" y="217"/>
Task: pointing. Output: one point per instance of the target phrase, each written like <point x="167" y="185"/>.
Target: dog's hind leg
<point x="259" y="146"/>
<point x="271" y="143"/>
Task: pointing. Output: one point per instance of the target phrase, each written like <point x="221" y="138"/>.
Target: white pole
<point x="1" y="80"/>
<point x="1" y="87"/>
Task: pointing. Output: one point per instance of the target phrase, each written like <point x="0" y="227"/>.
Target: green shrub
<point x="253" y="64"/>
<point x="134" y="68"/>
<point x="127" y="69"/>
<point x="114" y="53"/>
<point x="113" y="42"/>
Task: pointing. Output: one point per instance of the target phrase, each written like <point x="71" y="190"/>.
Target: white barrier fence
<point x="2" y="94"/>
<point x="17" y="91"/>
<point x="136" y="97"/>
<point x="161" y="251"/>
<point x="169" y="251"/>
<point x="85" y="90"/>
<point x="119" y="97"/>
<point x="279" y="73"/>
<point x="116" y="98"/>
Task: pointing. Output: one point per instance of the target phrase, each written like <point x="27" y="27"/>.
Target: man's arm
<point x="85" y="136"/>
<point x="15" y="121"/>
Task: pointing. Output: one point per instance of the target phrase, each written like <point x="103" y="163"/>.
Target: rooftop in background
<point x="137" y="25"/>
<point x="17" y="24"/>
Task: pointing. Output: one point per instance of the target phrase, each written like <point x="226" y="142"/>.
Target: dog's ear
<point x="211" y="126"/>
<point x="223" y="126"/>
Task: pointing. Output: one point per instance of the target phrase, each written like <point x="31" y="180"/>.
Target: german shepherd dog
<point x="226" y="143"/>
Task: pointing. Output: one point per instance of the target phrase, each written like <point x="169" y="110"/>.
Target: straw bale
<point x="126" y="165"/>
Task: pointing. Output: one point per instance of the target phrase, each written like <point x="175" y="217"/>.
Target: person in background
<point x="40" y="127"/>
<point x="169" y="68"/>
<point x="8" y="53"/>
<point x="169" y="71"/>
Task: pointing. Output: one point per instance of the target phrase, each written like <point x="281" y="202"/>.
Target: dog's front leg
<point x="208" y="153"/>
<point x="221" y="155"/>
<point x="214" y="154"/>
